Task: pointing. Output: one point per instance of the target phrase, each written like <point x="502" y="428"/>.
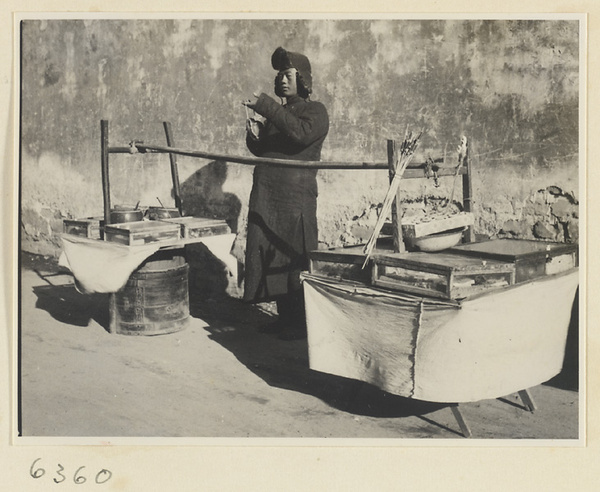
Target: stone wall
<point x="510" y="86"/>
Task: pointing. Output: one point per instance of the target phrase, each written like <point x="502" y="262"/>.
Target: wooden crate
<point x="87" y="227"/>
<point x="346" y="263"/>
<point x="445" y="275"/>
<point x="143" y="232"/>
<point x="195" y="227"/>
<point x="532" y="259"/>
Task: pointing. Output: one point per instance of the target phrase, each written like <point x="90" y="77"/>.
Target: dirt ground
<point x="221" y="378"/>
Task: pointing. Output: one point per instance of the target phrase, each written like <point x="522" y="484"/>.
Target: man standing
<point x="282" y="218"/>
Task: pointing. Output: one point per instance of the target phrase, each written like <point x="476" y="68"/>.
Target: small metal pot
<point x="119" y="216"/>
<point x="157" y="213"/>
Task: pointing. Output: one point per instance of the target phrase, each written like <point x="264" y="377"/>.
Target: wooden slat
<point x="174" y="170"/>
<point x="527" y="400"/>
<point x="443" y="262"/>
<point x="437" y="224"/>
<point x="462" y="423"/>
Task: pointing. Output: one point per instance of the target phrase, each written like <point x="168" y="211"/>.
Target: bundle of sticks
<point x="404" y="156"/>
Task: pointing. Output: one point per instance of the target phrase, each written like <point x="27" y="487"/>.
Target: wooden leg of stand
<point x="462" y="423"/>
<point x="527" y="400"/>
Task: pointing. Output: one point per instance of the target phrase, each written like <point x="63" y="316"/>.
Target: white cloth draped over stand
<point x="486" y="347"/>
<point x="104" y="267"/>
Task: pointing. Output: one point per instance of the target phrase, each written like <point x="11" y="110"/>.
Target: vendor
<point x="282" y="218"/>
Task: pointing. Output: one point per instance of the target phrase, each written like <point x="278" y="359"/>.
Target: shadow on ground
<point x="284" y="364"/>
<point x="58" y="296"/>
<point x="66" y="305"/>
<point x="568" y="379"/>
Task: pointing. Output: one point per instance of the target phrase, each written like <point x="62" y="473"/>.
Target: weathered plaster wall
<point x="510" y="86"/>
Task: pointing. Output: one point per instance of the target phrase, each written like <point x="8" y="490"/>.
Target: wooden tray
<point x="143" y="232"/>
<point x="88" y="227"/>
<point x="432" y="225"/>
<point x="195" y="227"/>
<point x="532" y="259"/>
<point x="444" y="275"/>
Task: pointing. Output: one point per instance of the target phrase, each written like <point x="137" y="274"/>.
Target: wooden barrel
<point x="152" y="302"/>
<point x="163" y="259"/>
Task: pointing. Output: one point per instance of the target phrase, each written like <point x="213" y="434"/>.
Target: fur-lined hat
<point x="282" y="60"/>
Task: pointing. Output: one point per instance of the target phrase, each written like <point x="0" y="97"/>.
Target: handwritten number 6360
<point x="101" y="477"/>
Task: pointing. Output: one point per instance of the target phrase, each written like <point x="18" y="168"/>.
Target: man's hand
<point x="249" y="103"/>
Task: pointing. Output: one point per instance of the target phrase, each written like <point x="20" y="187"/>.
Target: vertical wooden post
<point x="105" y="180"/>
<point x="468" y="192"/>
<point x="174" y="170"/>
<point x="396" y="219"/>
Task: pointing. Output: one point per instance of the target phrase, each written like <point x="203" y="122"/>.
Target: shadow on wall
<point x="202" y="195"/>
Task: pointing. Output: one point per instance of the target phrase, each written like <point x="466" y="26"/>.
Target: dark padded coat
<point x="282" y="218"/>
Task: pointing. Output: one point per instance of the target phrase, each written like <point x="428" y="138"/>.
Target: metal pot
<point x="157" y="213"/>
<point x="118" y="216"/>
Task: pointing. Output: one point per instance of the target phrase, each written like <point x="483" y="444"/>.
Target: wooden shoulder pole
<point x="396" y="218"/>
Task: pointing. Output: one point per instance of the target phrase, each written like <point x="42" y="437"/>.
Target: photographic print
<point x="325" y="228"/>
